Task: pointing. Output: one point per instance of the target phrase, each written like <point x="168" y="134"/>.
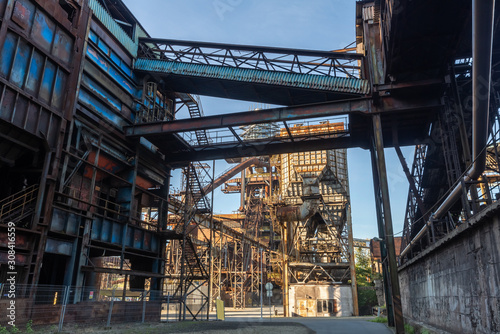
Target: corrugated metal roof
<point x="114" y="27"/>
<point x="368" y="12"/>
<point x="284" y="79"/>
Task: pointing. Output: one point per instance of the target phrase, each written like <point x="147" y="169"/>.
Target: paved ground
<point x="342" y="325"/>
<point x="319" y="325"/>
<point x="248" y="321"/>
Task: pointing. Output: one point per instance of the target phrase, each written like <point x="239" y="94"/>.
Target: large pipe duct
<point x="482" y="45"/>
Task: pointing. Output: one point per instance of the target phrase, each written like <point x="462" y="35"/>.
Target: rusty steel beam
<point x="388" y="228"/>
<point x="407" y="172"/>
<point x="263" y="148"/>
<point x="386" y="104"/>
<point x="251" y="117"/>
<point x="288" y="131"/>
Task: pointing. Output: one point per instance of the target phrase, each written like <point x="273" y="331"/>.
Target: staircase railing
<point x="18" y="204"/>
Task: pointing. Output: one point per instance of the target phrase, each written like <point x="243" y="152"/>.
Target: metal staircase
<point x="191" y="213"/>
<point x="195" y="109"/>
<point x="17" y="207"/>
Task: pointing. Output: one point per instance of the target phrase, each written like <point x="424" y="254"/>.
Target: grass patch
<point x="381" y="320"/>
<point x="409" y="329"/>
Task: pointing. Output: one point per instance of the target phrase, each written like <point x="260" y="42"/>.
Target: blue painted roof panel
<point x="282" y="79"/>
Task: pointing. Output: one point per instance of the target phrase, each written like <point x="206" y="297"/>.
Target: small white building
<point x="320" y="300"/>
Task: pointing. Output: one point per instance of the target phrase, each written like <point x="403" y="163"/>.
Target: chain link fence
<point x="57" y="306"/>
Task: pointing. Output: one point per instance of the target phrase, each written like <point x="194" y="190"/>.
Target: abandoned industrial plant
<point x="98" y="117"/>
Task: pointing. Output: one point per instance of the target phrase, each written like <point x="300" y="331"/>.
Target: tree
<point x="367" y="297"/>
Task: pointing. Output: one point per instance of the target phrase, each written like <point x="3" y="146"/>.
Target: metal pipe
<point x="482" y="42"/>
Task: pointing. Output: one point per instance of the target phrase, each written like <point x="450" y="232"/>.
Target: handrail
<point x="18" y="201"/>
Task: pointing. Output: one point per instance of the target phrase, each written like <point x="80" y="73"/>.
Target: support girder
<point x="386" y="104"/>
<point x="250" y="117"/>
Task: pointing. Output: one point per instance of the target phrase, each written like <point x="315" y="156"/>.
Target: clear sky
<point x="313" y="24"/>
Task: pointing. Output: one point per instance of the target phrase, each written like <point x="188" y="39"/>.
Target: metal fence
<point x="57" y="306"/>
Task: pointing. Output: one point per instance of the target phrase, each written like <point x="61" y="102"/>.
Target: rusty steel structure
<point x="89" y="135"/>
<point x="312" y="209"/>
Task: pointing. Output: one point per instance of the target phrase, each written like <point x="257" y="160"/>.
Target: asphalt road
<point x="353" y="325"/>
<point x="347" y="325"/>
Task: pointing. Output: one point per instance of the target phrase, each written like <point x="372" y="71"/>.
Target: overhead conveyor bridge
<point x="263" y="74"/>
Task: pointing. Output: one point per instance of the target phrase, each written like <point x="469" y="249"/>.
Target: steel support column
<point x="352" y="264"/>
<point x="381" y="235"/>
<point x="285" y="268"/>
<point x="387" y="218"/>
<point x="210" y="246"/>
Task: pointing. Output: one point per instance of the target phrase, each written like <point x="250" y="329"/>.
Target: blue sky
<point x="313" y="24"/>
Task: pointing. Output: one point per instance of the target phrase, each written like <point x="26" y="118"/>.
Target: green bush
<point x="409" y="329"/>
<point x="367" y="298"/>
<point x="29" y="328"/>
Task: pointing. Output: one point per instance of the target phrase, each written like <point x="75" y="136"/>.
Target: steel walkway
<point x="263" y="74"/>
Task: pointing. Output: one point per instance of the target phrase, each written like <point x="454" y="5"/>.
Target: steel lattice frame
<point x="335" y="63"/>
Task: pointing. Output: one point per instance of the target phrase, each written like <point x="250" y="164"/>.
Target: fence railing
<point x="60" y="306"/>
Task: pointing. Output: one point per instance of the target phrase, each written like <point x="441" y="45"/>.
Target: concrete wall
<point x="341" y="293"/>
<point x="455" y="287"/>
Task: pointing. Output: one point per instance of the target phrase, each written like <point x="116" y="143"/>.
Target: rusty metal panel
<point x="23" y="241"/>
<point x="7" y="54"/>
<point x="3" y="4"/>
<point x="8" y="104"/>
<point x="21" y="259"/>
<point x="107" y="231"/>
<point x="100" y="91"/>
<point x="66" y="222"/>
<point x="138" y="236"/>
<point x="19" y="116"/>
<point x="58" y="247"/>
<point x="32" y="119"/>
<point x="63" y="46"/>
<point x="107" y="68"/>
<point x="20" y="66"/>
<point x="40" y="65"/>
<point x="129" y="239"/>
<point x="117" y="232"/>
<point x="47" y="82"/>
<point x="21" y="15"/>
<point x="58" y="94"/>
<point x="147" y="240"/>
<point x="154" y="243"/>
<point x="96" y="229"/>
<point x="43" y="31"/>
<point x="35" y="73"/>
<point x="97" y="106"/>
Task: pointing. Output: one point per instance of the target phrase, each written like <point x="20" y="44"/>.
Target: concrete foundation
<point x="455" y="285"/>
<point x="320" y="300"/>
